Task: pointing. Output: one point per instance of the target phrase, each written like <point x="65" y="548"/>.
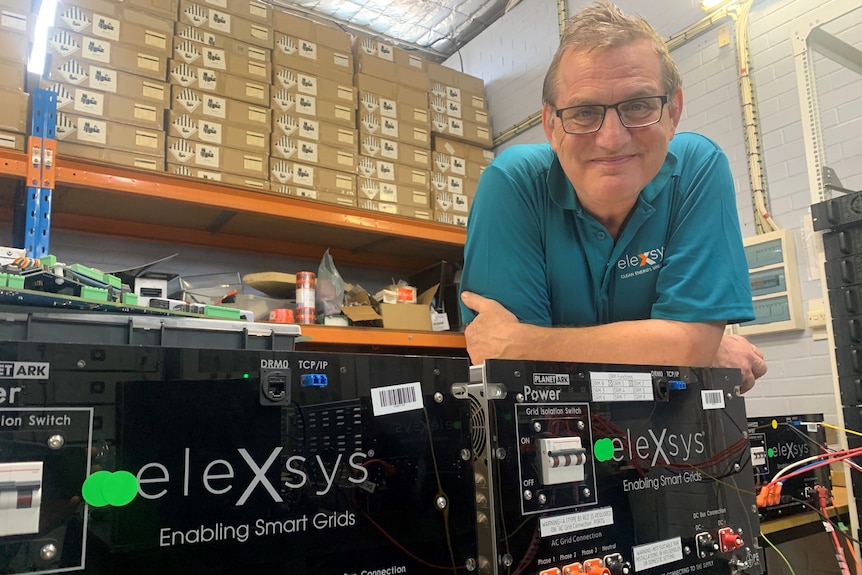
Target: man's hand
<point x="736" y="351"/>
<point x="494" y="331"/>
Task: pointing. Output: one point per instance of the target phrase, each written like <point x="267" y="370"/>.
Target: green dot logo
<point x="603" y="449"/>
<point x="770" y="452"/>
<point x="104" y="488"/>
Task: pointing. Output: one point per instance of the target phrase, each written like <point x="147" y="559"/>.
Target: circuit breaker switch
<point x="561" y="459"/>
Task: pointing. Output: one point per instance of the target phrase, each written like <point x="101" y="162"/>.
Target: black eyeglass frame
<point x="605" y="107"/>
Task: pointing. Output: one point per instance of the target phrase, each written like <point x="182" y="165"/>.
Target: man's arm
<point x="496" y="333"/>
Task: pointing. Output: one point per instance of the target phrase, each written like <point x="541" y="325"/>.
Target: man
<point x="618" y="242"/>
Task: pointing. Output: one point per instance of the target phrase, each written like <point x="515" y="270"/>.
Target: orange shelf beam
<point x="369" y="336"/>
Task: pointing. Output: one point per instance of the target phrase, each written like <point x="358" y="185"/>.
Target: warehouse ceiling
<point x="437" y="28"/>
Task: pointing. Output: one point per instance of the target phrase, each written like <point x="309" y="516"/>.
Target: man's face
<point x="610" y="167"/>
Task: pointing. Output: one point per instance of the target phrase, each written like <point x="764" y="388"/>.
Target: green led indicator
<point x="104" y="488"/>
<point x="603" y="449"/>
<point x="245" y="376"/>
<point x="770" y="452"/>
<point x="456" y="425"/>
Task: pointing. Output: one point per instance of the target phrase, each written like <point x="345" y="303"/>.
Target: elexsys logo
<point x="647" y="258"/>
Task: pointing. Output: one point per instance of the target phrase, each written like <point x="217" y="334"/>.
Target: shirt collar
<point x="563" y="193"/>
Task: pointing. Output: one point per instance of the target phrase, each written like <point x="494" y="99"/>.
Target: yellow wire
<point x="824" y="424"/>
<point x="777" y="550"/>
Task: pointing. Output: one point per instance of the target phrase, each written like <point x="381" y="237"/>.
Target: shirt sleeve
<point x="705" y="274"/>
<point x="504" y="255"/>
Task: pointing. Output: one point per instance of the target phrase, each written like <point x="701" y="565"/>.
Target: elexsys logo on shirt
<point x="641" y="263"/>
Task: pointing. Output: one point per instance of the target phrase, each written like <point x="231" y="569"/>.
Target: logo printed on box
<point x="63" y="43"/>
<point x="287" y="123"/>
<point x="76" y="19"/>
<point x="185" y="126"/>
<point x="187" y="51"/>
<point x="105" y="27"/>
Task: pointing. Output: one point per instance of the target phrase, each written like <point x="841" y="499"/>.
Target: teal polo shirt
<point x="532" y="247"/>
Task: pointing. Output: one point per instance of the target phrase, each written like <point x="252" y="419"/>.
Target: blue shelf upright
<point x="42" y="150"/>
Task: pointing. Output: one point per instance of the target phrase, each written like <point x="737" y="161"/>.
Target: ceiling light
<point x="45" y="19"/>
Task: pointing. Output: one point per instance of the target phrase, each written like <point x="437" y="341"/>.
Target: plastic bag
<point x="329" y="293"/>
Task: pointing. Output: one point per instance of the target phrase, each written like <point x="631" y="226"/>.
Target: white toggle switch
<point x="20" y="497"/>
<point x="561" y="459"/>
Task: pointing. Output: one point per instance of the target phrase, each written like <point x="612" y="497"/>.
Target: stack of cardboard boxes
<point x="106" y="62"/>
<point x="16" y="24"/>
<point x="219" y="122"/>
<point x="395" y="143"/>
<point x="255" y="97"/>
<point x="314" y="148"/>
<point x="461" y="136"/>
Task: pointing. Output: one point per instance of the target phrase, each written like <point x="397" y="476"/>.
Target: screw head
<point x="470" y="564"/>
<point x="519" y="398"/>
<point x="528" y="495"/>
<point x="48" y="552"/>
<point x="438" y="397"/>
<point x="441" y="503"/>
<point x="81" y="364"/>
<point x="465" y="454"/>
<point x="542" y="498"/>
<point x="56" y="441"/>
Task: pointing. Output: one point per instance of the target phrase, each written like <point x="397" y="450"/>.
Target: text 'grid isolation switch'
<point x="561" y="459"/>
<point x="20" y="497"/>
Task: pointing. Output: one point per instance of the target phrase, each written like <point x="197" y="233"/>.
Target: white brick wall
<point x="799" y="378"/>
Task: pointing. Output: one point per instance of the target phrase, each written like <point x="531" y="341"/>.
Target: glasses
<point x="634" y="113"/>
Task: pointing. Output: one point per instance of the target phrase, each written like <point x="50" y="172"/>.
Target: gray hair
<point x="603" y="26"/>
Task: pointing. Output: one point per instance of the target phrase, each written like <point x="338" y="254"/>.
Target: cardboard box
<point x="141" y="61"/>
<point x="14" y="46"/>
<point x="217" y="133"/>
<point x="440" y="74"/>
<point x="111" y="156"/>
<point x="314" y="153"/>
<point x="218" y="82"/>
<point x="225" y="178"/>
<point x="117" y="22"/>
<point x="399" y="316"/>
<point x="292" y="51"/>
<point x="97" y="104"/>
<point x="14" y="113"/>
<point x="395" y="151"/>
<point x="252" y="9"/>
<point x="16" y="17"/>
<point x="389" y="53"/>
<point x="461" y="130"/>
<point x="285" y="172"/>
<point x="451" y="203"/>
<point x="412" y="212"/>
<point x="310" y="106"/>
<point x="218" y="40"/>
<point x="219" y="21"/>
<point x="453" y="184"/>
<point x="388" y="192"/>
<point x="164" y="8"/>
<point x="237" y="58"/>
<point x="447" y="165"/>
<point x="199" y="104"/>
<point x="323" y="196"/>
<point x="12" y="141"/>
<point x="80" y="73"/>
<point x="325" y="34"/>
<point x="407" y="76"/>
<point x="391" y="172"/>
<point x="217" y="158"/>
<point x="465" y="151"/>
<point x="450" y="218"/>
<point x="408" y="133"/>
<point x="295" y="81"/>
<point x="316" y="131"/>
<point x="113" y="135"/>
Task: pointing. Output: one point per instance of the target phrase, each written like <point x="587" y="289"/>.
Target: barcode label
<point x="712" y="399"/>
<point x="396" y="398"/>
